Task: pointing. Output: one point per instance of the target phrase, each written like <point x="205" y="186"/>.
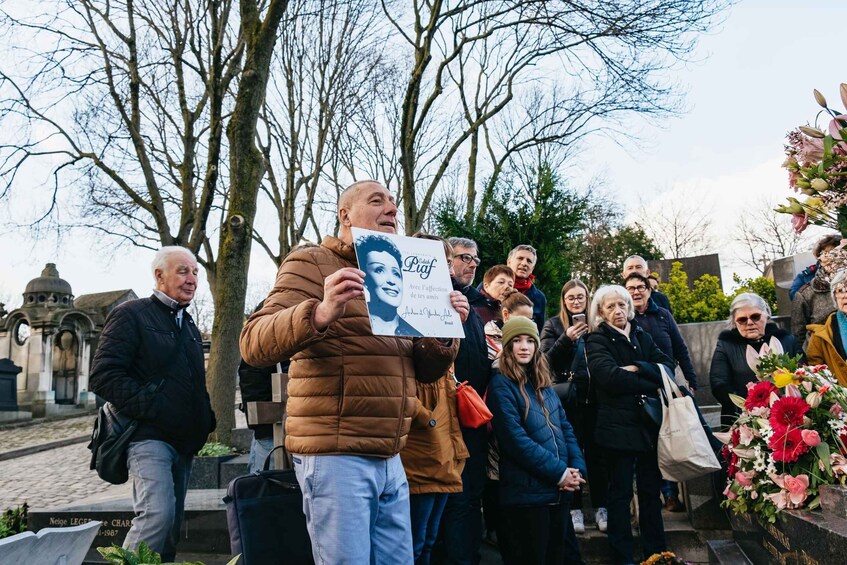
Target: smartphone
<point x="579" y="318"/>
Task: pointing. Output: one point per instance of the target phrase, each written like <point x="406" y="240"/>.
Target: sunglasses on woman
<point x="744" y="319"/>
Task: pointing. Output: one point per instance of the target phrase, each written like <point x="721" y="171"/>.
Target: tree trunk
<point x="246" y="170"/>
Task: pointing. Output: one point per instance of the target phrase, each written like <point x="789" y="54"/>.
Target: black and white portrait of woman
<point x="382" y="264"/>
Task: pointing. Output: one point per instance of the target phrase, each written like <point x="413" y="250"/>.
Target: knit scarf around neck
<point x="524" y="284"/>
<point x="842" y="328"/>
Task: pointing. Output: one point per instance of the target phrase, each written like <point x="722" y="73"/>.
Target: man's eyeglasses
<point x="752" y="318"/>
<point x="580" y="298"/>
<point x="639" y="288"/>
<point x="467" y="258"/>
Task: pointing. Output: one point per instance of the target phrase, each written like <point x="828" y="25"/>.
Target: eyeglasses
<point x="840" y="291"/>
<point x="468" y="258"/>
<point x="639" y="288"/>
<point x="580" y="298"/>
<point x="752" y="318"/>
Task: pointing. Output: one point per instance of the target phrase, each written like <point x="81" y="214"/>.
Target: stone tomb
<point x="204" y="530"/>
<point x="799" y="537"/>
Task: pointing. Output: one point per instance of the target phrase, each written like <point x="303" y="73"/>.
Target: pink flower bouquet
<point x="788" y="440"/>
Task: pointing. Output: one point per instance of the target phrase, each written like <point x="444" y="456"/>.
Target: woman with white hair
<point x="828" y="341"/>
<point x="623" y="367"/>
<point x="751" y="334"/>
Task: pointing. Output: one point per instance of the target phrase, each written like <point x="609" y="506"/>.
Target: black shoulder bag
<point x="109" y="441"/>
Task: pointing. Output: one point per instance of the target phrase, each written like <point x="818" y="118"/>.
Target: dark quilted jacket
<point x="154" y="372"/>
<point x="534" y="454"/>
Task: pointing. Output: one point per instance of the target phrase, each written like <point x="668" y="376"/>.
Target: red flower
<point x="732" y="468"/>
<point x="735" y="437"/>
<point x="788" y="412"/>
<point x="788" y="445"/>
<point x="759" y="395"/>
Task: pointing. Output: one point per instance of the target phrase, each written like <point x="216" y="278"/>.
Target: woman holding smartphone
<point x="563" y="343"/>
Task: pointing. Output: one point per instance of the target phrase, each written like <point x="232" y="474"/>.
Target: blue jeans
<point x="259" y="450"/>
<point x="426" y="510"/>
<point x="159" y="476"/>
<point x="357" y="508"/>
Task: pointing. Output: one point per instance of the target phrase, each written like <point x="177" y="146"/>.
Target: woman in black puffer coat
<point x="732" y="369"/>
<point x="624" y="365"/>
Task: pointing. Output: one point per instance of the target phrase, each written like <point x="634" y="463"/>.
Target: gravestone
<point x="204" y="530"/>
<point x="50" y="546"/>
<point x="799" y="537"/>
<point x="8" y="385"/>
<point x="273" y="412"/>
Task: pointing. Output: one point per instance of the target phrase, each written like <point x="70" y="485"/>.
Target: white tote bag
<point x="683" y="448"/>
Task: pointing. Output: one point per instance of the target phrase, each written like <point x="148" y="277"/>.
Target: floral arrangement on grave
<point x="788" y="440"/>
<point x="816" y="160"/>
<point x="664" y="558"/>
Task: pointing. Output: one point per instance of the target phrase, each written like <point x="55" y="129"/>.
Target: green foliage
<point x="763" y="286"/>
<point x="770" y="363"/>
<point x="214" y="449"/>
<point x="706" y="301"/>
<point x="120" y="556"/>
<point x="14" y="521"/>
<point x="547" y="215"/>
<point x="605" y="246"/>
<point x="142" y="556"/>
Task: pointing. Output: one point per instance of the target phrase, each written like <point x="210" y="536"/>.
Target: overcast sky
<point x="753" y="83"/>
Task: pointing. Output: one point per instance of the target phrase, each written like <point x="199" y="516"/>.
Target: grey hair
<point x="838" y="279"/>
<point x="639" y="257"/>
<point x="160" y="260"/>
<point x="747" y="299"/>
<point x="522" y="247"/>
<point x="595" y="317"/>
<point x="462" y="242"/>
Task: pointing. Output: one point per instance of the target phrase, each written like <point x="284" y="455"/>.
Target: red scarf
<point x="524" y="285"/>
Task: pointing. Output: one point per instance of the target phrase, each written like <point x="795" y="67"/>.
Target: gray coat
<point x="811" y="305"/>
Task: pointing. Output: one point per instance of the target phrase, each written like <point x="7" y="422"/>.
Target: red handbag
<point x="473" y="413"/>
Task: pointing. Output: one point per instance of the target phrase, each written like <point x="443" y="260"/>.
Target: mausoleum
<point x="52" y="338"/>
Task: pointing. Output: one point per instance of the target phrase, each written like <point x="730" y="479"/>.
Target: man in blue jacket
<point x="522" y="260"/>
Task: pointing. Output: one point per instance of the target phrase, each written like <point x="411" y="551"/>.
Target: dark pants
<point x="426" y="510"/>
<point x="461" y="523"/>
<point x="541" y="535"/>
<point x="583" y="418"/>
<point x="645" y="465"/>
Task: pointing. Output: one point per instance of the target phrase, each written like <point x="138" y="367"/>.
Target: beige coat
<point x="435" y="453"/>
<point x="822" y="351"/>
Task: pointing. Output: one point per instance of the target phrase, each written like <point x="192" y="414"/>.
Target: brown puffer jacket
<point x="435" y="453"/>
<point x="350" y="392"/>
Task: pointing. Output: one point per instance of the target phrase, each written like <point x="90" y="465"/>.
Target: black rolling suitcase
<point x="264" y="514"/>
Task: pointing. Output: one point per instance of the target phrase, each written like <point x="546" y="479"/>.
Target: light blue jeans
<point x="159" y="478"/>
<point x="259" y="450"/>
<point x="357" y="508"/>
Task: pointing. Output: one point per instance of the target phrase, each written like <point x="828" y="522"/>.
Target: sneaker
<point x="602" y="518"/>
<point x="578" y="521"/>
<point x="673" y="504"/>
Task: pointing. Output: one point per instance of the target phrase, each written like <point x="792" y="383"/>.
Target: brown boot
<point x="673" y="504"/>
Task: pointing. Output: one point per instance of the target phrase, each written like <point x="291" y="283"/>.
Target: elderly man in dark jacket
<point x="149" y="364"/>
